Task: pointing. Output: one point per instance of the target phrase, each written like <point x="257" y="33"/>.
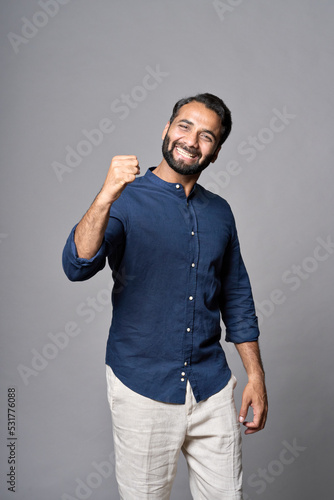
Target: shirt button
<point x="185" y="363"/>
<point x="182" y="379"/>
<point x="177" y="186"/>
<point x="188" y="330"/>
<point x="191" y="298"/>
<point x="192" y="233"/>
<point x="183" y="374"/>
<point x="193" y="264"/>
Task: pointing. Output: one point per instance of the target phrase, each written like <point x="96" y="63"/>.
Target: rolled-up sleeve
<point x="78" y="269"/>
<point x="236" y="301"/>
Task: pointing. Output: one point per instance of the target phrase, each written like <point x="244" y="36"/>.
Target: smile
<point x="184" y="153"/>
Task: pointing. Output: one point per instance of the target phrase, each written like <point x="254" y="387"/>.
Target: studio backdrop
<point x="83" y="81"/>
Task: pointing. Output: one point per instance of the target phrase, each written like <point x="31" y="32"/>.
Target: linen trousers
<point x="149" y="435"/>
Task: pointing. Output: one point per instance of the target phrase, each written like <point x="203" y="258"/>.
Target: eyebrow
<point x="204" y="130"/>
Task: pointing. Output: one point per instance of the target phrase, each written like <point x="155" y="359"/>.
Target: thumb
<point x="243" y="411"/>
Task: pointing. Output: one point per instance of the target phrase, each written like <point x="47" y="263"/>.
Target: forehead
<point x="199" y="115"/>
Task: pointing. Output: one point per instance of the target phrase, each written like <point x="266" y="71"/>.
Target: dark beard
<point x="180" y="166"/>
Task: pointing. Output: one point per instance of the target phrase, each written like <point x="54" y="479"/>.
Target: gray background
<point x="259" y="56"/>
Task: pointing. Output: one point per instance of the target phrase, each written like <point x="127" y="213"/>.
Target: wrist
<point x="257" y="376"/>
<point x="103" y="201"/>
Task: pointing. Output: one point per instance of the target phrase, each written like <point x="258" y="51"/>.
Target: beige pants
<point x="148" y="437"/>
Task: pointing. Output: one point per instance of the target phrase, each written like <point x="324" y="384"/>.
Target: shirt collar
<point x="172" y="187"/>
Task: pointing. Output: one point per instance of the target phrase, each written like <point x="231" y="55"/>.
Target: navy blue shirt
<point x="177" y="267"/>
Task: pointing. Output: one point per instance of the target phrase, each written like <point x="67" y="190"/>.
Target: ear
<point x="165" y="130"/>
<point x="215" y="156"/>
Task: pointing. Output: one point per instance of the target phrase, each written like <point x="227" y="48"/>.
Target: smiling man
<point x="193" y="154"/>
<point x="169" y="384"/>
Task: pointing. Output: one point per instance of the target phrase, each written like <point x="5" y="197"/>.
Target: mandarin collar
<point x="173" y="187"/>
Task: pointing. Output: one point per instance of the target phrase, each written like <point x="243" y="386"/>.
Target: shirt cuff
<point x="79" y="260"/>
<point x="77" y="268"/>
<point x="243" y="331"/>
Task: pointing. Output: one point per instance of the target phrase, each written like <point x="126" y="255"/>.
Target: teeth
<point x="184" y="153"/>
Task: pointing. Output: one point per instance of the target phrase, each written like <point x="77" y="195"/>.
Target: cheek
<point x="177" y="137"/>
<point x="207" y="151"/>
<point x="175" y="140"/>
<point x="211" y="150"/>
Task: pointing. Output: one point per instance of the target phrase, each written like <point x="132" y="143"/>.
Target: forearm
<point x="90" y="231"/>
<point x="254" y="394"/>
<point x="251" y="358"/>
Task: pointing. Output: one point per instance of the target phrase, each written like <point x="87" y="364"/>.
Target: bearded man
<point x="169" y="385"/>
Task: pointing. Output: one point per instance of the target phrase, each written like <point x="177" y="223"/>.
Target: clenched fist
<point x="122" y="171"/>
<point x="90" y="231"/>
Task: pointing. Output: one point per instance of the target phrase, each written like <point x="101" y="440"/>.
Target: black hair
<point x="211" y="102"/>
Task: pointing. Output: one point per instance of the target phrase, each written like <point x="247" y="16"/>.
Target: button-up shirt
<point x="177" y="269"/>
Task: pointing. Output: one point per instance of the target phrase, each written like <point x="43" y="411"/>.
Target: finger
<point x="125" y="157"/>
<point x="129" y="169"/>
<point x="122" y="169"/>
<point x="251" y="431"/>
<point x="257" y="424"/>
<point x="125" y="160"/>
<point x="130" y="165"/>
<point x="252" y="425"/>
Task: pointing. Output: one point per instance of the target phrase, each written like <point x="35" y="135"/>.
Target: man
<point x="169" y="385"/>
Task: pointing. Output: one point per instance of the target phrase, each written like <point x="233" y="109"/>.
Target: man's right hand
<point x="122" y="171"/>
<point x="90" y="231"/>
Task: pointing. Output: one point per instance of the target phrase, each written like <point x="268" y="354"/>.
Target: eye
<point x="207" y="137"/>
<point x="184" y="127"/>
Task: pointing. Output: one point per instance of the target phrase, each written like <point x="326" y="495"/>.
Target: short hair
<point x="213" y="102"/>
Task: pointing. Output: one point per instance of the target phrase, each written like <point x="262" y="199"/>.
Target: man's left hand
<point x="254" y="395"/>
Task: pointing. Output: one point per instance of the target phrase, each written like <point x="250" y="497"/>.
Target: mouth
<point x="185" y="154"/>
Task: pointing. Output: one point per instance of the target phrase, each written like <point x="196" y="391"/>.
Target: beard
<point x="180" y="166"/>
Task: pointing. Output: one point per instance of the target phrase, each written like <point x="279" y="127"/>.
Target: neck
<point x="167" y="174"/>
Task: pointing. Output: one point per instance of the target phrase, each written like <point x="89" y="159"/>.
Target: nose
<point x="191" y="139"/>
